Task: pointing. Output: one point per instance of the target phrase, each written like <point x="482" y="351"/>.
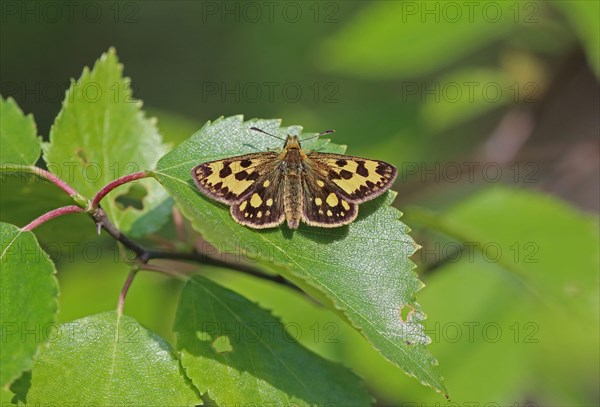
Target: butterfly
<point x="320" y="189"/>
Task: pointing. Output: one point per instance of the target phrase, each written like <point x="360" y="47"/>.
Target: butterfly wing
<point x="250" y="184"/>
<point x="262" y="205"/>
<point x="324" y="203"/>
<point x="358" y="179"/>
<point x="229" y="179"/>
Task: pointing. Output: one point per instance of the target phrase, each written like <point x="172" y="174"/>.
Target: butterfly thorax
<point x="292" y="151"/>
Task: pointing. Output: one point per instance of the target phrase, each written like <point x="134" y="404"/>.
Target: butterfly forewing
<point x="229" y="179"/>
<point x="358" y="179"/>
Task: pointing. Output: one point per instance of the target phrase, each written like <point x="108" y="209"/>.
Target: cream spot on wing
<point x="349" y="186"/>
<point x="332" y="200"/>
<point x="329" y="213"/>
<point x="345" y="205"/>
<point x="268" y="213"/>
<point x="371" y="166"/>
<point x="320" y="183"/>
<point x="270" y="202"/>
<point x="256" y="200"/>
<point x="266" y="183"/>
<point x="243" y="206"/>
<point x="259" y="214"/>
<point x="320" y="211"/>
<point x="246" y="215"/>
<point x="342" y="213"/>
<point x="318" y="201"/>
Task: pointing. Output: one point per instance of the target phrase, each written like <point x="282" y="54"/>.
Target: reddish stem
<point x="178" y="221"/>
<point x="124" y="291"/>
<point x="114" y="184"/>
<point x="51" y="215"/>
<point x="53" y="178"/>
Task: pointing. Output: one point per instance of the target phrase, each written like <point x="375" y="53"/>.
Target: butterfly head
<point x="292" y="143"/>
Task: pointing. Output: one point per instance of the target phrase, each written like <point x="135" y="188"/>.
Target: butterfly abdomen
<point x="292" y="192"/>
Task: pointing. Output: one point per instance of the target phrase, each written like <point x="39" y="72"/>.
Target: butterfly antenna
<point x="320" y="134"/>
<point x="268" y="134"/>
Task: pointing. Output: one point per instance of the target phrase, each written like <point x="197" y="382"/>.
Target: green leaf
<point x="524" y="289"/>
<point x="28" y="305"/>
<point x="18" y="135"/>
<point x="101" y="134"/>
<point x="108" y="360"/>
<point x="239" y="353"/>
<point x="583" y="18"/>
<point x="6" y="397"/>
<point x="414" y="38"/>
<point x="460" y="97"/>
<point x="533" y="236"/>
<point x="361" y="271"/>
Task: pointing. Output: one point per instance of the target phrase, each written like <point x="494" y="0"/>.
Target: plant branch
<point x="102" y="221"/>
<point x="144" y="255"/>
<point x="124" y="291"/>
<point x="51" y="215"/>
<point x="163" y="270"/>
<point x="116" y="183"/>
<point x="98" y="214"/>
<point x="32" y="169"/>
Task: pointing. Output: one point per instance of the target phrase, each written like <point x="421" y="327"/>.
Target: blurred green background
<point x="451" y="93"/>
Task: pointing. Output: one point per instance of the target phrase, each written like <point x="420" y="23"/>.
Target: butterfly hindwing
<point x="359" y="179"/>
<point x="262" y="205"/>
<point x="229" y="179"/>
<point x="324" y="205"/>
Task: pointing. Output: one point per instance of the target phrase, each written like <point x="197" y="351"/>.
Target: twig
<point x="51" y="215"/>
<point x="211" y="261"/>
<point x="114" y="184"/>
<point x="178" y="222"/>
<point x="98" y="214"/>
<point x="124" y="291"/>
<point x="102" y="221"/>
<point x="144" y="255"/>
<point x="164" y="270"/>
<point x="44" y="174"/>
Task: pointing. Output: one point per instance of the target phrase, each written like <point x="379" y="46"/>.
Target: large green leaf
<point x="524" y="290"/>
<point x="533" y="236"/>
<point x="28" y="291"/>
<point x="454" y="104"/>
<point x="408" y="39"/>
<point x="362" y="271"/>
<point x="583" y="18"/>
<point x="239" y="353"/>
<point x="101" y="134"/>
<point x="18" y="135"/>
<point x="107" y="359"/>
